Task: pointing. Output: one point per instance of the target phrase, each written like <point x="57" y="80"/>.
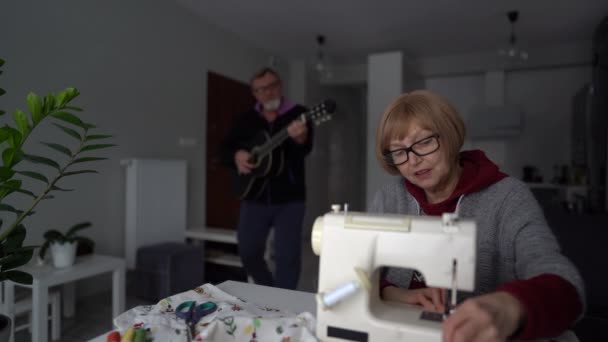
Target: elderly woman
<point x="524" y="287"/>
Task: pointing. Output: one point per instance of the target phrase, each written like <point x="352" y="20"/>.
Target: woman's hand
<point x="490" y="317"/>
<point x="431" y="299"/>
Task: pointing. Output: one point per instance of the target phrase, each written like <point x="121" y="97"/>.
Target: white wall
<point x="544" y="56"/>
<point x="546" y="97"/>
<point x="463" y="92"/>
<point x="141" y="68"/>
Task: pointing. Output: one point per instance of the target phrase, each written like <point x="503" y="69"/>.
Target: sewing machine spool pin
<point x="335" y="208"/>
<point x="450" y="222"/>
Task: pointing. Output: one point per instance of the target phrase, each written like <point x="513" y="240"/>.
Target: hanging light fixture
<point x="512" y="53"/>
<point x="321" y="65"/>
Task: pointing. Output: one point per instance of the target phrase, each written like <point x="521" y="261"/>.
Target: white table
<point x="289" y="300"/>
<point x="47" y="276"/>
<point x="293" y="301"/>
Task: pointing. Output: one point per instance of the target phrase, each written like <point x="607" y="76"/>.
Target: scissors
<point x="192" y="313"/>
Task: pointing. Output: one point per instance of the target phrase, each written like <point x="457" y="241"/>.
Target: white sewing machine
<point x="354" y="245"/>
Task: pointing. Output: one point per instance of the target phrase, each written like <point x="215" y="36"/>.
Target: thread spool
<point x="338" y="294"/>
<point x="140" y="335"/>
<point x="114" y="336"/>
<point x="128" y="336"/>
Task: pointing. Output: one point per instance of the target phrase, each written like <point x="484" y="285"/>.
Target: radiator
<point x="155" y="200"/>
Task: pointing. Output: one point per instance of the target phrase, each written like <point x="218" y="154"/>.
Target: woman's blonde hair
<point x="430" y="111"/>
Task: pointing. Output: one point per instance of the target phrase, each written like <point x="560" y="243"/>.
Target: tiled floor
<point x="94" y="313"/>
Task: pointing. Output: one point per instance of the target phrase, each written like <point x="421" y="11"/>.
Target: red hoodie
<point x="546" y="293"/>
<point x="478" y="172"/>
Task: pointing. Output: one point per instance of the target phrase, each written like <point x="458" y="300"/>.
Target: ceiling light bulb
<point x="319" y="66"/>
<point x="511" y="52"/>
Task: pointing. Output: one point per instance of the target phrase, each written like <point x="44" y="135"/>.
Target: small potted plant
<point x="63" y="247"/>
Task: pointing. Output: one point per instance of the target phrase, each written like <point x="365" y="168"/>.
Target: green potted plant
<point x="17" y="164"/>
<point x="63" y="246"/>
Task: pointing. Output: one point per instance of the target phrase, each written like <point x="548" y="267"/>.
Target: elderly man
<point x="278" y="201"/>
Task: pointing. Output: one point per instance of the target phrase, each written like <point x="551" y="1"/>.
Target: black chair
<point x="584" y="239"/>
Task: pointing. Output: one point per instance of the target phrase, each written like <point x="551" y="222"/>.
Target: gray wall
<point x="347" y="138"/>
<point x="385" y="81"/>
<point x="141" y="68"/>
<point x="335" y="172"/>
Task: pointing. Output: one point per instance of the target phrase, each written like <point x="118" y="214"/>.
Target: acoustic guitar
<point x="269" y="162"/>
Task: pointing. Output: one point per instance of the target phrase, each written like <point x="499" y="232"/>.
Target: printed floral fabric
<point x="235" y="320"/>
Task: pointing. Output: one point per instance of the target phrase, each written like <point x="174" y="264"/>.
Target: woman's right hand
<point x="432" y="299"/>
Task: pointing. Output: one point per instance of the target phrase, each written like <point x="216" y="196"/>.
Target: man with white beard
<point x="278" y="200"/>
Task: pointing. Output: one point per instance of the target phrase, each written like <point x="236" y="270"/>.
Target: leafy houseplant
<point x="17" y="165"/>
<point x="63" y="247"/>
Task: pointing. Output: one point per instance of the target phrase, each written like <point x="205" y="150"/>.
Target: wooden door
<point x="226" y="99"/>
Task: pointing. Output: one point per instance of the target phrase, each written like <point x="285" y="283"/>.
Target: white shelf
<point x="557" y="186"/>
<point x="227" y="260"/>
<point x="212" y="234"/>
<point x="216" y="235"/>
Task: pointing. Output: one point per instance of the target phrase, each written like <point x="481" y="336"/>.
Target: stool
<point x="23" y="304"/>
<point x="168" y="268"/>
<point x="55" y="317"/>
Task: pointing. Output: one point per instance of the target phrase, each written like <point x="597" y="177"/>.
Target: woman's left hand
<point x="490" y="317"/>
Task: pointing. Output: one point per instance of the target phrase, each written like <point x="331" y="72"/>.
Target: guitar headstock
<point x="322" y="112"/>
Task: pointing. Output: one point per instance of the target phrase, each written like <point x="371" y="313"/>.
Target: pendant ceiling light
<point x="512" y="52"/>
<point x="321" y="64"/>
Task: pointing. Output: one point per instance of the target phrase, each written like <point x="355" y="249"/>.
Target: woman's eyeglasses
<point x="420" y="148"/>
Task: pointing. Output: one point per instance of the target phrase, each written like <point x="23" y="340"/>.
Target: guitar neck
<point x="317" y="115"/>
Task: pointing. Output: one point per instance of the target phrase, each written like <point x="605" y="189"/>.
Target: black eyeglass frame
<point x="267" y="88"/>
<point x="388" y="154"/>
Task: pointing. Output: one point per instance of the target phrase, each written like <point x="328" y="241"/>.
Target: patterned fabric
<point x="235" y="320"/>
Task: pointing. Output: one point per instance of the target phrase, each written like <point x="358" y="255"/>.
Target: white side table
<point x="47" y="276"/>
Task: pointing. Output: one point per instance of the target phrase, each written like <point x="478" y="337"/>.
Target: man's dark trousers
<point x="256" y="220"/>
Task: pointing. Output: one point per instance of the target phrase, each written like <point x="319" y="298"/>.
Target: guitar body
<point x="269" y="160"/>
<point x="251" y="186"/>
